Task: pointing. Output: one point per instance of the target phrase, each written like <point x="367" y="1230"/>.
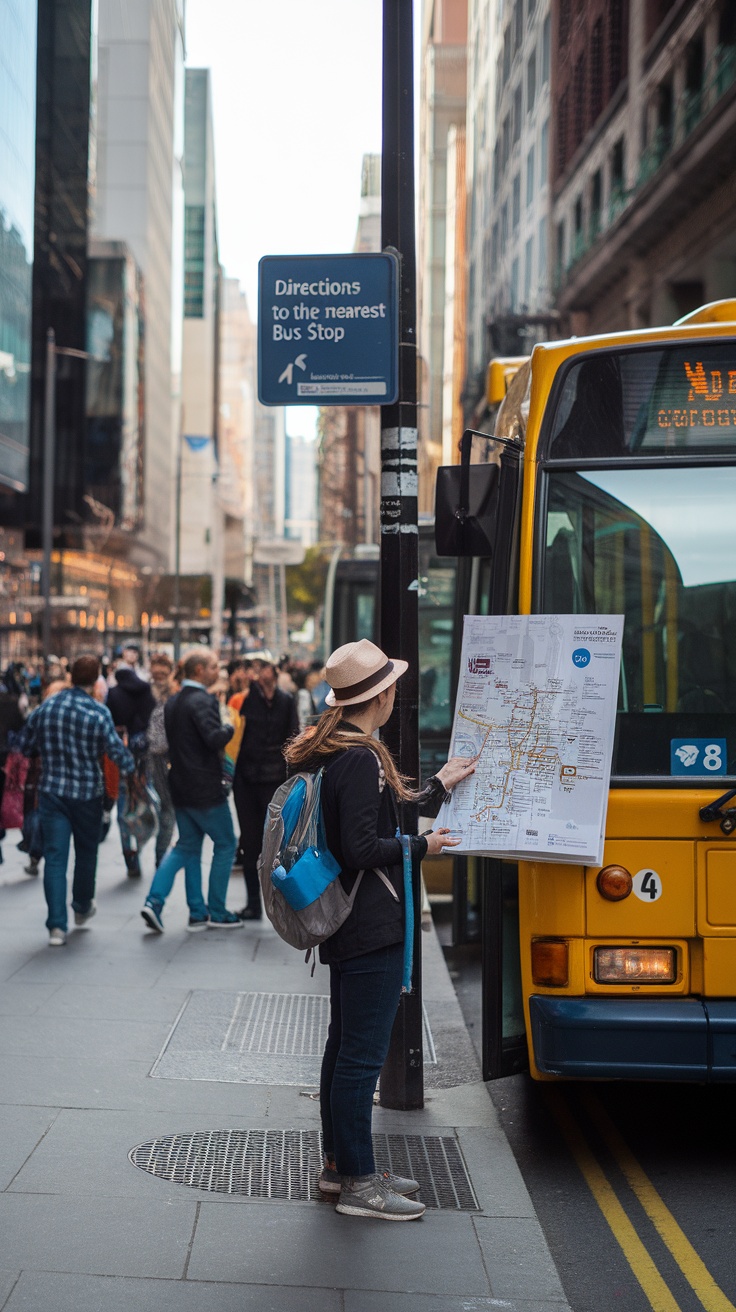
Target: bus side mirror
<point x="466" y="502"/>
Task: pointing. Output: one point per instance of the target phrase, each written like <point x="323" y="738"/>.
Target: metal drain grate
<point x="281" y="1024"/>
<point x="285" y="1164"/>
<point x="252" y="1038"/>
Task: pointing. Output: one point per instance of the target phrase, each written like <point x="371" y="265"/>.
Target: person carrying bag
<point x="360" y="789"/>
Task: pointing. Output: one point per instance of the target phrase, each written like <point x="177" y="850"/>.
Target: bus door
<point x="485" y="891"/>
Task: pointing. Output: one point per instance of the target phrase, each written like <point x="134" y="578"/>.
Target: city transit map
<point x="536" y="703"/>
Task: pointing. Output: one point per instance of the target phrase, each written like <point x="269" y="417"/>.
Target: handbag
<point x="16" y="770"/>
<point x="465" y="508"/>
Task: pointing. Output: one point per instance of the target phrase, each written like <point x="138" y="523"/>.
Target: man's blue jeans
<point x="62" y="818"/>
<point x="193" y="823"/>
<point x="364" y="996"/>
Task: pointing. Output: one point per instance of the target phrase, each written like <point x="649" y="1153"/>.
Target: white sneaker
<point x="81" y="917"/>
<point x="57" y="938"/>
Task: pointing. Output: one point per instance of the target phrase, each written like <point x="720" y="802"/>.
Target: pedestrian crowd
<point x="163" y="747"/>
<point x="166" y="747"/>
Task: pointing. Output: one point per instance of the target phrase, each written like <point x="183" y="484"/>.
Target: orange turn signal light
<point x="550" y="962"/>
<point x="614" y="883"/>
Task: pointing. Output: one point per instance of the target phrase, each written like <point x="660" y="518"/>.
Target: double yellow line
<point x="639" y="1259"/>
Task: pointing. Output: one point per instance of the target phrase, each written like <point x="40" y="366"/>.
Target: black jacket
<point x="196" y="737"/>
<point x="130" y="702"/>
<point x="268" y="725"/>
<point x="360" y="821"/>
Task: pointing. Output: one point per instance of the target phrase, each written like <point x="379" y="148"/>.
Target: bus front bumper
<point x="634" y="1038"/>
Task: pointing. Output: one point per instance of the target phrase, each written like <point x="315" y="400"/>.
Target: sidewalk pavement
<point x="123" y="1037"/>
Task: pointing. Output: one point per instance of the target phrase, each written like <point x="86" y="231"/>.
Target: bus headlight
<point x="635" y="965"/>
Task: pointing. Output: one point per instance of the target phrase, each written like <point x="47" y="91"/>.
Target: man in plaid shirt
<point x="72" y="732"/>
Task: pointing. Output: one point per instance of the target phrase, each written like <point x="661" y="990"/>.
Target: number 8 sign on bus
<point x="700" y="756"/>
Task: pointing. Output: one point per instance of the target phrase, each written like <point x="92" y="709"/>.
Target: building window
<point x="518" y="24"/>
<point x="506" y="54"/>
<point x="528" y="262"/>
<point x="564" y="22"/>
<point x="579" y="92"/>
<point x="596" y="70"/>
<point x="517" y="113"/>
<point x="596" y="189"/>
<point x="505" y="142"/>
<point x="560" y="247"/>
<point x="496" y="167"/>
<point x="194" y="262"/>
<point x="617" y="63"/>
<point x="516" y="202"/>
<point x="514" y="286"/>
<point x="530" y="8"/>
<point x="545" y="50"/>
<point x="530" y="177"/>
<point x="617" y="167"/>
<point x="504" y="227"/>
<point x="562" y="126"/>
<point x="531" y="82"/>
<point x="542" y="264"/>
<point x="494" y="245"/>
<point x="544" y="153"/>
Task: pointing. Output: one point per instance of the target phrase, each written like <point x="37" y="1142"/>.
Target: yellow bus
<point x="615" y="493"/>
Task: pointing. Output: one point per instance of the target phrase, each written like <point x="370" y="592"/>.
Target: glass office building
<point x="17" y="174"/>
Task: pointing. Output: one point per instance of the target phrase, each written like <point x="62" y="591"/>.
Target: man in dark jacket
<point x="130" y="703"/>
<point x="196" y="738"/>
<point x="270" y="721"/>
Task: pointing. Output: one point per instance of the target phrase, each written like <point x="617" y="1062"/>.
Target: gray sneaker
<point x="369" y="1195"/>
<point x="330" y="1182"/>
<point x="81" y="917"/>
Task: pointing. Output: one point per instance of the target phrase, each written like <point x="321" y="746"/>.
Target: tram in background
<point x="616" y="493"/>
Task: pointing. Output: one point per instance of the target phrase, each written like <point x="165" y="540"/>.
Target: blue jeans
<point x="364" y="996"/>
<point x="62" y="817"/>
<point x="193" y="823"/>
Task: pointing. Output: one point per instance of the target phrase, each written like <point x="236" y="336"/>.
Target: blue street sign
<point x="328" y="329"/>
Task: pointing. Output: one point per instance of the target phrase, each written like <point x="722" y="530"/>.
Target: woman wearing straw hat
<point x="361" y="787"/>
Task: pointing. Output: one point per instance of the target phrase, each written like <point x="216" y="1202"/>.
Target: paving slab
<point x="23" y="1128"/>
<point x="95" y="1236"/>
<point x="113" y="1004"/>
<point x="438" y="1254"/>
<point x="25" y="999"/>
<point x="517" y="1259"/>
<point x="53" y="1036"/>
<point x="8" y="1281"/>
<point x="366" y="1300"/>
<point x="74" y="1293"/>
<point x="498" y="1182"/>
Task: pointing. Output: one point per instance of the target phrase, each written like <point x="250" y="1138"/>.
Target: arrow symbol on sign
<point x="288" y="373"/>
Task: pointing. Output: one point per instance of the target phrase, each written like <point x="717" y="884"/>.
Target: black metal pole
<point x="402" y="1078"/>
<point x="177" y="554"/>
<point x="47" y="521"/>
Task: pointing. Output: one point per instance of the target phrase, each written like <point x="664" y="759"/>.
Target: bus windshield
<point x="647" y="401"/>
<point x="658" y="546"/>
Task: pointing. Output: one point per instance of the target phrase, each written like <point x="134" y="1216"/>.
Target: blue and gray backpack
<point x="302" y="893"/>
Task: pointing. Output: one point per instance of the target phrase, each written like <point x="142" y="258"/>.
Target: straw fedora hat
<point x="359" y="671"/>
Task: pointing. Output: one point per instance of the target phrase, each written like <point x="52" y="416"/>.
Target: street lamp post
<point x="49" y="467"/>
<point x="47" y="524"/>
<point x="402" y="1077"/>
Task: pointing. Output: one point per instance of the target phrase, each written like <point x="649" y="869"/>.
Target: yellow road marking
<point x="692" y="1266"/>
<point x="642" y="1265"/>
